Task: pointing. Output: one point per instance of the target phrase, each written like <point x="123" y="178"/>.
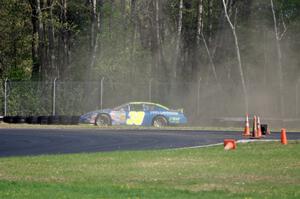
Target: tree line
<point x="230" y="42"/>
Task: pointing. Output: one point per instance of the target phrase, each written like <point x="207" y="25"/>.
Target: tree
<point x="15" y="37"/>
<point x="95" y="29"/>
<point x="177" y="64"/>
<point x="37" y="39"/>
<point x="278" y="37"/>
<point x="63" y="40"/>
<point x="51" y="39"/>
<point x="238" y="57"/>
<point x="201" y="37"/>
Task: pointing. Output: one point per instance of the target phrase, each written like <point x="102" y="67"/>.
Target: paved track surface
<point x="21" y="142"/>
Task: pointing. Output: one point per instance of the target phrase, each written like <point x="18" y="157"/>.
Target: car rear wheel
<point x="160" y="121"/>
<point x="103" y="120"/>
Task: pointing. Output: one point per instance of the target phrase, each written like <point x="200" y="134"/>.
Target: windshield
<point x="123" y="107"/>
<point x="139" y="106"/>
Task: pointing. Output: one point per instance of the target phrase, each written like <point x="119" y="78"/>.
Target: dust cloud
<point x="203" y="98"/>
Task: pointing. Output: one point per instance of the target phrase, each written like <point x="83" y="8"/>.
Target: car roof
<point x="150" y="103"/>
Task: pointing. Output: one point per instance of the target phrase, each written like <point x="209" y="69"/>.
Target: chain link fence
<point x="27" y="98"/>
<point x="201" y="101"/>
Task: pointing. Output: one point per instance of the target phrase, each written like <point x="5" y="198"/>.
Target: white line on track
<point x="238" y="141"/>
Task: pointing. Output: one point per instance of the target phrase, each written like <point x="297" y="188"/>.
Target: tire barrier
<point x="14" y="119"/>
<point x="8" y="119"/>
<point x="43" y="120"/>
<point x="32" y="120"/>
<point x="75" y="120"/>
<point x="65" y="119"/>
<point x="19" y="119"/>
<point x="53" y="119"/>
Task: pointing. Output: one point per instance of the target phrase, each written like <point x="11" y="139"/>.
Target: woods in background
<point x="241" y="43"/>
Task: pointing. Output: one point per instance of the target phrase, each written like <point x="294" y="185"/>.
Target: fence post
<point x="150" y="90"/>
<point x="5" y="97"/>
<point x="101" y="93"/>
<point x="54" y="97"/>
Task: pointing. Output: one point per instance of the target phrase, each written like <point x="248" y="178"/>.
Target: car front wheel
<point x="103" y="120"/>
<point x="160" y="121"/>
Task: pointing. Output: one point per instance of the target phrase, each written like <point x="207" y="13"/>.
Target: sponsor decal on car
<point x="135" y="118"/>
<point x="118" y="117"/>
<point x="174" y="119"/>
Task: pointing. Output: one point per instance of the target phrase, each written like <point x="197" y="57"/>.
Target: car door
<point x="119" y="115"/>
<point x="135" y="115"/>
<point x="148" y="109"/>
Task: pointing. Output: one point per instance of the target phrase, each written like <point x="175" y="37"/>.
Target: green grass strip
<point x="253" y="170"/>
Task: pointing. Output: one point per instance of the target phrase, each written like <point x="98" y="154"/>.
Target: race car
<point x="136" y="113"/>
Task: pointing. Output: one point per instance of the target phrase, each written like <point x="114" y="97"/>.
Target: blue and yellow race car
<point x="136" y="113"/>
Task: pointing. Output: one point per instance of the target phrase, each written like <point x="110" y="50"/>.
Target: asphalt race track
<point x="21" y="142"/>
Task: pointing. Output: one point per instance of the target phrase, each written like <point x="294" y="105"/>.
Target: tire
<point x="8" y="119"/>
<point x="18" y="119"/>
<point x="65" y="120"/>
<point x="159" y="121"/>
<point x="53" y="119"/>
<point x="75" y="120"/>
<point x="43" y="120"/>
<point x="32" y="120"/>
<point x="103" y="120"/>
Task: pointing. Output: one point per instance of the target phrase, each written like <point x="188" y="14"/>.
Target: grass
<point x="254" y="170"/>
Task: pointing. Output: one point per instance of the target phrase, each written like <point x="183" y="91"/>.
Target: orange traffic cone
<point x="259" y="134"/>
<point x="229" y="144"/>
<point x="283" y="137"/>
<point x="254" y="130"/>
<point x="247" y="127"/>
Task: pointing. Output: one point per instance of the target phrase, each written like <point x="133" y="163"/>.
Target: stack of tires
<point x="45" y="120"/>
